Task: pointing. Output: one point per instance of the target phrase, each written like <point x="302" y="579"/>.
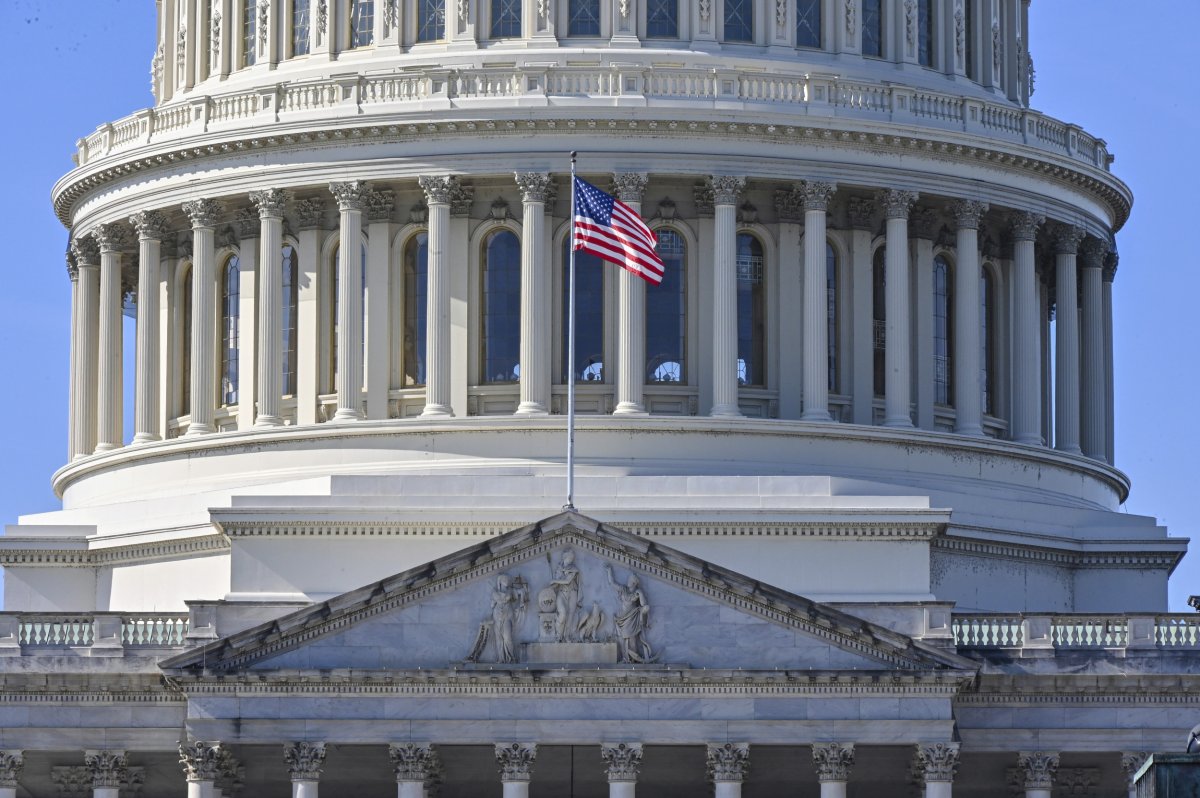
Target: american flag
<point x="611" y="230"/>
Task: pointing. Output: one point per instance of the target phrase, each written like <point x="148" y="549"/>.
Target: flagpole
<point x="571" y="354"/>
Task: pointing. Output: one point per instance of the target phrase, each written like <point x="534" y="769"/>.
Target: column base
<point x="437" y="411"/>
<point x="199" y="429"/>
<point x="531" y="409"/>
<point x="1030" y="440"/>
<point x="630" y="409"/>
<point x="347" y="414"/>
<point x="1063" y="449"/>
<point x="146" y="437"/>
<point x="821" y="416"/>
<point x="264" y="422"/>
<point x="726" y="411"/>
<point x="106" y="447"/>
<point x="974" y="430"/>
<point x="904" y="422"/>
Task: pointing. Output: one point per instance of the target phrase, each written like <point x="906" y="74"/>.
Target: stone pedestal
<point x="571" y="653"/>
<point x="1169" y="776"/>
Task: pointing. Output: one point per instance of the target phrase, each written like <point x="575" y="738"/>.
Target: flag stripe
<point x="611" y="230"/>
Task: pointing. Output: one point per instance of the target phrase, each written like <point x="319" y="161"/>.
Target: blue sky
<point x="1119" y="72"/>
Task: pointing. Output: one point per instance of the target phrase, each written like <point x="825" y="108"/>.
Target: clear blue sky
<point x="1119" y="71"/>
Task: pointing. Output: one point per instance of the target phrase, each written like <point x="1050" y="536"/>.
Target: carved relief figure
<point x="567" y="586"/>
<point x="632" y="619"/>
<point x="508" y="610"/>
<point x="590" y="625"/>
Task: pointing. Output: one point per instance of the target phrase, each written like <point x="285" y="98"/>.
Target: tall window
<point x="506" y="19"/>
<point x="831" y="310"/>
<point x="589" y="315"/>
<point x="416" y="286"/>
<point x="299" y="27"/>
<point x="872" y="28"/>
<point x="879" y="319"/>
<point x="808" y="23"/>
<point x="333" y="311"/>
<point x="739" y="20"/>
<point x="583" y="18"/>
<point x="969" y="25"/>
<point x="248" y="42"/>
<point x="925" y="32"/>
<point x="431" y="20"/>
<point x="943" y="333"/>
<point x="987" y="321"/>
<point x="230" y="294"/>
<point x="662" y="19"/>
<point x="185" y="345"/>
<point x="501" y="340"/>
<point x="362" y="23"/>
<point x="751" y="315"/>
<point x="291" y="303"/>
<point x="666" y="313"/>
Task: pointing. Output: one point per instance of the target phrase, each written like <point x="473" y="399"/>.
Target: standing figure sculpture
<point x="632" y="619"/>
<point x="567" y="585"/>
<point x="508" y="610"/>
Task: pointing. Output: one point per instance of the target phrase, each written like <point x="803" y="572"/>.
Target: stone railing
<point x="1081" y="631"/>
<point x="92" y="634"/>
<point x="371" y="99"/>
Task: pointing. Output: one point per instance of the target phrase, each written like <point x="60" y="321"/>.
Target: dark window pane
<point x="831" y="296"/>
<point x="583" y="18"/>
<point x="230" y="295"/>
<point x="662" y="19"/>
<point x="739" y="20"/>
<point x="506" y="19"/>
<point x="291" y="296"/>
<point x="666" y="313"/>
<point x="431" y="20"/>
<point x="969" y="25"/>
<point x="879" y="318"/>
<point x="943" y="362"/>
<point x="987" y="323"/>
<point x="416" y="285"/>
<point x="925" y="32"/>
<point x="808" y="23"/>
<point x="248" y="43"/>
<point x="751" y="318"/>
<point x="501" y="339"/>
<point x="872" y="28"/>
<point x="300" y="10"/>
<point x="185" y="345"/>
<point x="362" y="22"/>
<point x="589" y="316"/>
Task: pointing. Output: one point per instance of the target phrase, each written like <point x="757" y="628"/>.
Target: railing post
<point x="1037" y="635"/>
<point x="106" y="635"/>
<point x="1141" y="632"/>
<point x="10" y="642"/>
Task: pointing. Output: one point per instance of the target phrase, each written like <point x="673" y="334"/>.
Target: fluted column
<point x="937" y="764"/>
<point x="415" y="764"/>
<point x="270" y="204"/>
<point x="1093" y="411"/>
<point x="108" y="769"/>
<point x="833" y="762"/>
<point x="201" y="763"/>
<point x="516" y="767"/>
<point x="535" y="362"/>
<point x="76" y="343"/>
<point x="968" y="370"/>
<point x="897" y="357"/>
<point x="351" y="198"/>
<point x="1027" y="350"/>
<point x="150" y="227"/>
<point x="816" y="302"/>
<point x="438" y="190"/>
<point x="1066" y="340"/>
<point x="1039" y="771"/>
<point x="622" y="761"/>
<point x="631" y="313"/>
<point x="724" y="318"/>
<point x="111" y="237"/>
<point x="87" y="261"/>
<point x="1110" y="274"/>
<point x="1131" y="763"/>
<point x="728" y="764"/>
<point x="203" y="400"/>
<point x="304" y="761"/>
<point x="11" y="763"/>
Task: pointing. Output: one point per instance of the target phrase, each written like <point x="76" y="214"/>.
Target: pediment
<point x="566" y="592"/>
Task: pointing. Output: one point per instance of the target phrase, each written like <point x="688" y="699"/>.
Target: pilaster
<point x="377" y="341"/>
<point x="968" y="371"/>
<point x="460" y="296"/>
<point x="308" y="309"/>
<point x="923" y="229"/>
<point x="1093" y="410"/>
<point x="1027" y="322"/>
<point x="789" y="210"/>
<point x="247" y="226"/>
<point x="862" y="389"/>
<point x="1066" y="339"/>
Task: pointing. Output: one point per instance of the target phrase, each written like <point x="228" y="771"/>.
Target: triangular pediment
<point x="567" y="591"/>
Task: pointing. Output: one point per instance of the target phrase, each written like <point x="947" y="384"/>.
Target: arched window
<point x="362" y="23"/>
<point x="751" y="311"/>
<point x="739" y="20"/>
<point x="185" y="344"/>
<point x="291" y="302"/>
<point x="666" y="313"/>
<point x="987" y="321"/>
<point x="925" y="32"/>
<point x="333" y="311"/>
<point x="506" y="19"/>
<point x="230" y="295"/>
<point x="879" y="319"/>
<point x="583" y="18"/>
<point x="416" y="285"/>
<point x="589" y="315"/>
<point x="831" y="303"/>
<point x="299" y="27"/>
<point x="943" y="333"/>
<point x="872" y="28"/>
<point x="808" y="23"/>
<point x="248" y="43"/>
<point x="431" y="20"/>
<point x="500" y="343"/>
<point x="662" y="19"/>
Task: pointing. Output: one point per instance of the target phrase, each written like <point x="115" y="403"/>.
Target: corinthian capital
<point x="728" y="761"/>
<point x="304" y="760"/>
<point x="1092" y="251"/>
<point x="1110" y="266"/>
<point x="817" y="195"/>
<point x="309" y="212"/>
<point x="534" y="186"/>
<point x="897" y="202"/>
<point x="413" y="761"/>
<point x="516" y="760"/>
<point x="270" y="202"/>
<point x="86" y="250"/>
<point x="938" y="762"/>
<point x="1067" y="238"/>
<point x="350" y="195"/>
<point x="379" y="205"/>
<point x="967" y="213"/>
<point x="149" y="225"/>
<point x="833" y="761"/>
<point x="726" y="188"/>
<point x="438" y="188"/>
<point x="112" y="237"/>
<point x="629" y="186"/>
<point x="107" y="768"/>
<point x="622" y="760"/>
<point x="1025" y="224"/>
<point x="1040" y="769"/>
<point x="201" y="761"/>
<point x="202" y="212"/>
<point x="11" y="763"/>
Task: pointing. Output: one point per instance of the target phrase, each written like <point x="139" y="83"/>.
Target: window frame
<point x="484" y="239"/>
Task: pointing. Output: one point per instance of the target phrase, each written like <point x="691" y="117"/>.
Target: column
<point x="516" y="767"/>
<point x="461" y="298"/>
<point x="1039" y="771"/>
<point x="203" y="214"/>
<point x="83" y="400"/>
<point x="415" y="764"/>
<point x="304" y="761"/>
<point x="833" y="762"/>
<point x="201" y="763"/>
<point x="1131" y="763"/>
<point x="247" y="224"/>
<point x="631" y="313"/>
<point x="76" y="343"/>
<point x="816" y="302"/>
<point x="108" y="769"/>
<point x="789" y="210"/>
<point x="11" y="763"/>
<point x="622" y="761"/>
<point x="377" y="334"/>
<point x="111" y="238"/>
<point x="270" y="204"/>
<point x="968" y="370"/>
<point x="351" y="198"/>
<point x="437" y="298"/>
<point x="1066" y="340"/>
<point x="724" y="324"/>
<point x="897" y="357"/>
<point x="535" y="364"/>
<point x="937" y="764"/>
<point x="860" y="213"/>
<point x="1093" y="412"/>
<point x="923" y="227"/>
<point x="150" y="227"/>
<point x="1027" y="348"/>
<point x="1110" y="274"/>
<point x="309" y="213"/>
<point x="727" y="764"/>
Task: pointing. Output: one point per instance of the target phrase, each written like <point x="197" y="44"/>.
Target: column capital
<point x="938" y="761"/>
<point x="817" y="194"/>
<point x="833" y="761"/>
<point x="534" y="186"/>
<point x="789" y="205"/>
<point x="968" y="213"/>
<point x="703" y="197"/>
<point x="1110" y="266"/>
<point x="379" y="205"/>
<point x="726" y="188"/>
<point x="413" y="761"/>
<point x="246" y="223"/>
<point x="11" y="763"/>
<point x="461" y="198"/>
<point x="202" y="212"/>
<point x="86" y="250"/>
<point x="622" y="760"/>
<point x="270" y="202"/>
<point x="309" y="212"/>
<point x="112" y="237"/>
<point x="439" y="189"/>
<point x="149" y="225"/>
<point x="516" y="760"/>
<point x="629" y="186"/>
<point x="72" y="266"/>
<point x="1040" y="769"/>
<point x="304" y="760"/>
<point x="860" y="212"/>
<point x="351" y="195"/>
<point x="897" y="202"/>
<point x="231" y="775"/>
<point x="1132" y="761"/>
<point x="1092" y="252"/>
<point x="107" y="768"/>
<point x="1024" y="225"/>
<point x="728" y="761"/>
<point x="201" y="761"/>
<point x="1067" y="238"/>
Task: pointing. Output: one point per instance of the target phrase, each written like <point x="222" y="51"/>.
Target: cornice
<point x="112" y="555"/>
<point x="1134" y="556"/>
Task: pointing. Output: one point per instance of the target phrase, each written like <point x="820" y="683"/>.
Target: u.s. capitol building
<point x="846" y="499"/>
